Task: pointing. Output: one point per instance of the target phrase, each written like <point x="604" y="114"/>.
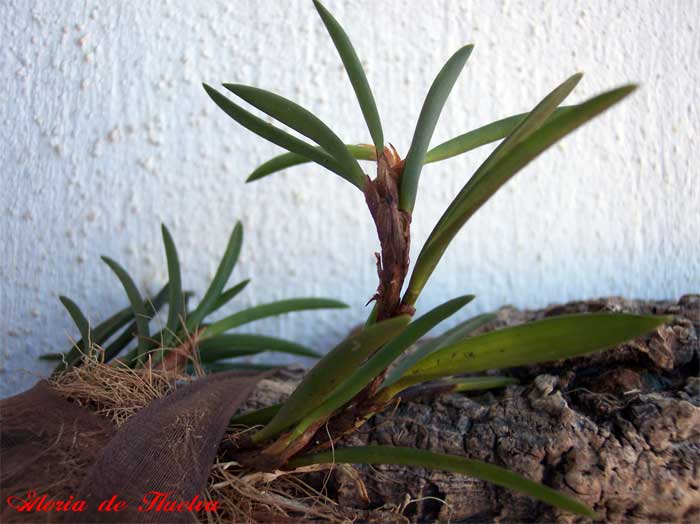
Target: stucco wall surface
<point x="106" y="132"/>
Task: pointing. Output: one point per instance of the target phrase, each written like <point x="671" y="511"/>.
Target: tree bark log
<point x="620" y="430"/>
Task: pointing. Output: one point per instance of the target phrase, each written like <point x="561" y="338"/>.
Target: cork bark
<point x="619" y="430"/>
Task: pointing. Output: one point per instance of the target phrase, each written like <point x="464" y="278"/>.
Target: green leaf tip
<point x="176" y="309"/>
<point x="356" y="73"/>
<point x="212" y="297"/>
<point x="136" y="302"/>
<point x="78" y="318"/>
<point x="229" y="295"/>
<point x="429" y="115"/>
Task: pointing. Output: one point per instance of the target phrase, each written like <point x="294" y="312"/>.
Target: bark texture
<point x="619" y="430"/>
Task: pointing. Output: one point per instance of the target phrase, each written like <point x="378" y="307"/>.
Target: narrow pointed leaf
<point x="218" y="367"/>
<point x="78" y="317"/>
<point x="176" y="312"/>
<point x="429" y="115"/>
<point x="152" y="307"/>
<point x="52" y="356"/>
<point x="223" y="273"/>
<point x="286" y="160"/>
<point x="136" y="302"/>
<point x="269" y="310"/>
<point x="220" y="352"/>
<point x="378" y="362"/>
<point x="257" y="417"/>
<point x="457" y="333"/>
<point x="334" y="368"/>
<point x="544" y="340"/>
<point x="427" y="459"/>
<point x="444" y="387"/>
<point x="496" y="176"/>
<point x="479" y="383"/>
<point x="358" y="79"/>
<point x="306" y="123"/>
<point x="226" y="346"/>
<point x="479" y="137"/>
<point x="228" y="295"/>
<point x="274" y="134"/>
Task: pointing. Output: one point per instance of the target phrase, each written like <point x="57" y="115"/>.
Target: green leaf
<point x="478" y="383"/>
<point x="52" y="356"/>
<point x="176" y="311"/>
<point x="372" y="317"/>
<point x="285" y="160"/>
<point x="335" y="367"/>
<point x="218" y="367"/>
<point x="226" y="346"/>
<point x="456" y="146"/>
<point x="306" y="123"/>
<point x="455" y="334"/>
<point x="136" y="302"/>
<point x="269" y="310"/>
<point x="429" y="115"/>
<point x="427" y="459"/>
<point x="78" y="317"/>
<point x="257" y="417"/>
<point x="443" y="387"/>
<point x="152" y="307"/>
<point x="103" y="331"/>
<point x="480" y="137"/>
<point x="474" y="195"/>
<point x="544" y="340"/>
<point x="109" y="327"/>
<point x="273" y="134"/>
<point x="531" y="123"/>
<point x="228" y="295"/>
<point x="358" y="79"/>
<point x="378" y="362"/>
<point x="223" y="273"/>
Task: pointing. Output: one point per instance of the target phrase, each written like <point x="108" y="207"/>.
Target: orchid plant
<point x="356" y="380"/>
<point x="372" y="368"/>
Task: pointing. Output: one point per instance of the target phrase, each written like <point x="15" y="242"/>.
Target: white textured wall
<point x="106" y="132"/>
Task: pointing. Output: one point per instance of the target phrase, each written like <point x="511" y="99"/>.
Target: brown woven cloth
<point x="53" y="446"/>
<point x="46" y="445"/>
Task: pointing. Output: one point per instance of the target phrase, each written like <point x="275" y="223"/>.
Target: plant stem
<point x="394" y="232"/>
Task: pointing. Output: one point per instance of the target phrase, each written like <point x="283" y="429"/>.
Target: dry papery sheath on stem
<point x="371" y="369"/>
